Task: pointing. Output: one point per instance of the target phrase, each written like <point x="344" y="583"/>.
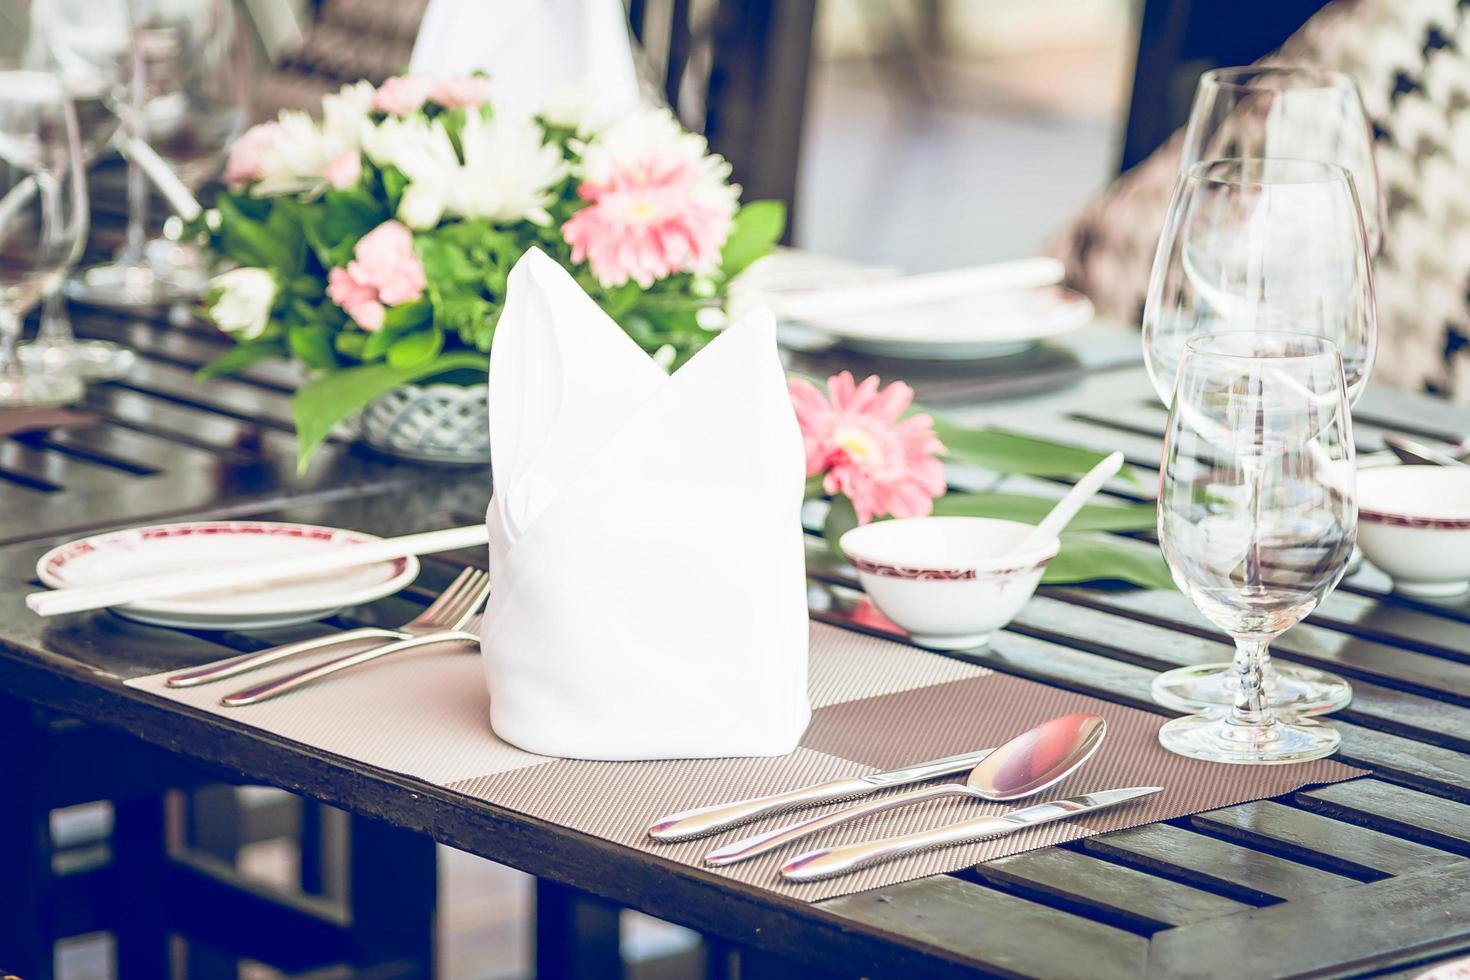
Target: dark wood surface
<point x="1364" y="878"/>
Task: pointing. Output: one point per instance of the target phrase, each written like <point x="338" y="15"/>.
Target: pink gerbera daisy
<point x="854" y="435"/>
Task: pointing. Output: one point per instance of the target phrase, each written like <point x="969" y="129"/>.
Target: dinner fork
<point x="441" y="614"/>
<point x="463" y="630"/>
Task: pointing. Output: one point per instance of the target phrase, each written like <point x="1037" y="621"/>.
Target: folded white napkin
<point x="646" y="548"/>
<point x="535" y="51"/>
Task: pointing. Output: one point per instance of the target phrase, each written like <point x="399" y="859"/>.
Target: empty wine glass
<point x="181" y="82"/>
<point x="1260" y="245"/>
<point x="1293" y="113"/>
<point x="55" y="347"/>
<point x="43" y="220"/>
<point x="199" y="65"/>
<point x="1257" y="518"/>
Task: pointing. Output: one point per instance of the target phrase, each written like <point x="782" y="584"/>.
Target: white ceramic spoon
<point x="1061" y="515"/>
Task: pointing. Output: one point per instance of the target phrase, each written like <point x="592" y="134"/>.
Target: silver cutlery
<point x="1413" y="452"/>
<point x="688" y="824"/>
<point x="441" y="614"/>
<point x="1027" y="764"/>
<point x="462" y="631"/>
<point x="830" y="862"/>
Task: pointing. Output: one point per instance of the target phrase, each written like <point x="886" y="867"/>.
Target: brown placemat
<point x="15" y="421"/>
<point x="878" y="705"/>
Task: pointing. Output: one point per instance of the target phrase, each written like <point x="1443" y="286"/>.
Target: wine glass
<point x="181" y="81"/>
<point x="89" y="88"/>
<point x="1287" y="113"/>
<point x="1260" y="245"/>
<point x="201" y="69"/>
<point x="43" y="220"/>
<point x="1257" y="517"/>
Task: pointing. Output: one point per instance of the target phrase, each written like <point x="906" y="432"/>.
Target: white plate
<point x="133" y="553"/>
<point x="964" y="329"/>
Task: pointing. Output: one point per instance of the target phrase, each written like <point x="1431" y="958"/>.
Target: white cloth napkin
<point x="535" y="51"/>
<point x="646" y="548"/>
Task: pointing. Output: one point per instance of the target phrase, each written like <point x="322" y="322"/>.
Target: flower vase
<point x="432" y="423"/>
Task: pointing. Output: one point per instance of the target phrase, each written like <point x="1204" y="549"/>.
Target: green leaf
<point x="1008" y="452"/>
<point x="238" y="358"/>
<point x="350" y="215"/>
<point x="312" y="343"/>
<point x="1102" y="557"/>
<point x="416" y="348"/>
<point x="350" y="343"/>
<point x="841" y="518"/>
<point x="252" y="242"/>
<point x="407" y="316"/>
<point x="322" y="403"/>
<point x="757" y="228"/>
<point x="1023" y="507"/>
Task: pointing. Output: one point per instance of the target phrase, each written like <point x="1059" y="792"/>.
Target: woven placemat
<point x="877" y="705"/>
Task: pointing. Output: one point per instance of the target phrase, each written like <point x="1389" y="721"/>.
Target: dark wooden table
<point x="1365" y="878"/>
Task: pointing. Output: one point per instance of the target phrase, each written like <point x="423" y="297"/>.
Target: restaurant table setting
<point x="660" y="712"/>
<point x="638" y="663"/>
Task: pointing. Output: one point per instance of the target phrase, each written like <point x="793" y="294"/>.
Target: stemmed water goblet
<point x="179" y="73"/>
<point x="1257" y="518"/>
<point x="1260" y="245"/>
<point x="43" y="220"/>
<point x="1287" y="113"/>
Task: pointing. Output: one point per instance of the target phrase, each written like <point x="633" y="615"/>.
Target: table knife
<point x="829" y="862"/>
<point x="688" y="824"/>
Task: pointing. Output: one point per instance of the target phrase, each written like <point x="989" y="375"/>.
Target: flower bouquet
<point x="874" y="457"/>
<point x="373" y="246"/>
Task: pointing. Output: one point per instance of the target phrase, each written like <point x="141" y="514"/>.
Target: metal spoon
<point x="1027" y="764"/>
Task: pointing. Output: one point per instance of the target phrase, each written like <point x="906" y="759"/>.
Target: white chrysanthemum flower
<point x="509" y="172"/>
<point x="242" y="301"/>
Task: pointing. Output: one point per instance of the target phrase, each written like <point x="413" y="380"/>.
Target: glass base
<point x="1217" y="740"/>
<point x="1209" y="689"/>
<point x="34" y="389"/>
<point x="90" y="360"/>
<point x="131" y="286"/>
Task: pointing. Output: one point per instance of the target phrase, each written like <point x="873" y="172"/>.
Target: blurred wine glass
<point x="182" y="95"/>
<point x="1292" y="113"/>
<point x="1257" y="246"/>
<point x="1257" y="518"/>
<point x="92" y="84"/>
<point x="43" y="221"/>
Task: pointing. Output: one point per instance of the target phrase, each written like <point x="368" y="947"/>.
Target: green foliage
<point x="302" y="236"/>
<point x="1022" y="507"/>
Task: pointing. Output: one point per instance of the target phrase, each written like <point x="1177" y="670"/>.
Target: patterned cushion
<point x="1412" y="62"/>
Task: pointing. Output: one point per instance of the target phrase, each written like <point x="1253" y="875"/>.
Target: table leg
<point x="140" y="900"/>
<point x="26" y="913"/>
<point x="577" y="935"/>
<point x="392" y="895"/>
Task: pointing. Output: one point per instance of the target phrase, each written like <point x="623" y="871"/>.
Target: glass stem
<point x="55" y="326"/>
<point x="9" y="334"/>
<point x="1251" y="706"/>
<point x="135" y="130"/>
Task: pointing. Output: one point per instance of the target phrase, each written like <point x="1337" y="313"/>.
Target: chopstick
<point x="58" y="601"/>
<point x="927" y="288"/>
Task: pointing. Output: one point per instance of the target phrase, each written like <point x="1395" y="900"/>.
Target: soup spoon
<point x="1027" y="764"/>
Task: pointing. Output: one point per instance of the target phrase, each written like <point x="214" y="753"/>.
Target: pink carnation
<point x="384" y="272"/>
<point x="402" y="94"/>
<point x="644" y="223"/>
<point x="344" y="170"/>
<point x="359" y="299"/>
<point x="854" y="436"/>
<point x="462" y="92"/>
<point x="244" y="163"/>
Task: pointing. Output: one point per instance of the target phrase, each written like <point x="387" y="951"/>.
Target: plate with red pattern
<point x="116" y="556"/>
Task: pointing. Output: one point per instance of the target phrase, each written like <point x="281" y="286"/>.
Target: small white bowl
<point x="1414" y="523"/>
<point x="949" y="581"/>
